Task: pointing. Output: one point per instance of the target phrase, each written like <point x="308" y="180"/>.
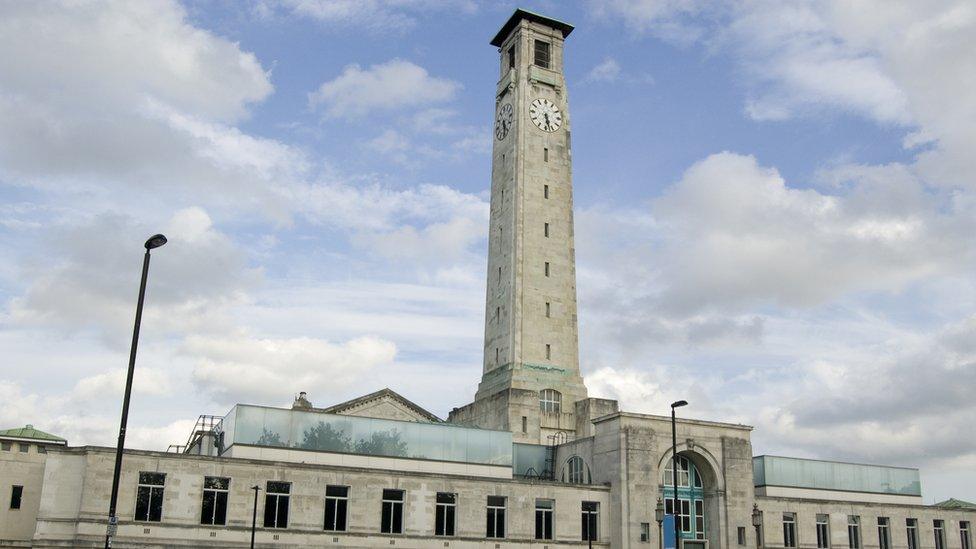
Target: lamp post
<point x="659" y="516"/>
<point x="674" y="472"/>
<point x="757" y="520"/>
<point x="254" y="515"/>
<point x="154" y="241"/>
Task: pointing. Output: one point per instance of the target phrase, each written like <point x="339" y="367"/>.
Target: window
<point x="24" y="448"/>
<point x="498" y="313"/>
<point x="965" y="541"/>
<point x="911" y="527"/>
<point x="548" y="351"/>
<point x="545" y="230"/>
<point x="823" y="531"/>
<point x="854" y="531"/>
<point x="542" y="54"/>
<point x="41" y="449"/>
<point x="789" y="529"/>
<point x="525" y="424"/>
<point x="645" y="534"/>
<point x="575" y="471"/>
<point x="336" y="504"/>
<point x="149" y="497"/>
<point x="497" y="350"/>
<point x="276" y="504"/>
<point x="741" y="535"/>
<point x="548" y="310"/>
<point x="547" y="268"/>
<point x="545" y="191"/>
<point x="684" y="512"/>
<point x="591" y="511"/>
<point x="7" y="446"/>
<point x="16" y="495"/>
<point x="392" y="516"/>
<point x="499" y="276"/>
<point x="511" y="57"/>
<point x="884" y="535"/>
<point x="444" y="515"/>
<point x="214" y="508"/>
<point x="550" y="400"/>
<point x="684" y="473"/>
<point x="699" y="519"/>
<point x="543" y="518"/>
<point x="545" y="155"/>
<point x="938" y="528"/>
<point x="496" y="517"/>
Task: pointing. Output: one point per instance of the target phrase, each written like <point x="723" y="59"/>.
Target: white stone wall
<point x="20" y="469"/>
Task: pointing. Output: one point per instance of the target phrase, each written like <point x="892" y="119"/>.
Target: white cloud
<point x="607" y="70"/>
<point x="243" y="368"/>
<point x="385" y="15"/>
<point x="384" y="87"/>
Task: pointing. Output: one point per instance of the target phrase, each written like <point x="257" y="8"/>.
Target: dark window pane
<point x="394" y="495"/>
<point x="397" y="518"/>
<point x="496" y="501"/>
<point x="270" y="503"/>
<point x="283" y="511"/>
<point x="16" y="495"/>
<point x="220" y="513"/>
<point x="330" y="518"/>
<point x="439" y="518"/>
<point x="156" y="505"/>
<point x="538" y="524"/>
<point x="340" y="520"/>
<point x="490" y="526"/>
<point x="337" y="491"/>
<point x="500" y="524"/>
<point x="142" y="503"/>
<point x="445" y="497"/>
<point x="542" y="54"/>
<point x="449" y="523"/>
<point x="216" y="483"/>
<point x="278" y="487"/>
<point x="155" y="479"/>
<point x="386" y="517"/>
<point x="207" y="511"/>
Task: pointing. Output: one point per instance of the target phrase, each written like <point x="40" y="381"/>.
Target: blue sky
<point x="774" y="203"/>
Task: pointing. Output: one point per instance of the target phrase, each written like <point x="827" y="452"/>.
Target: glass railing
<point x="260" y="426"/>
<point x="830" y="475"/>
<point x="529" y="459"/>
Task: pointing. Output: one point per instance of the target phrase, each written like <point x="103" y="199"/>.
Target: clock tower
<point x="531" y="380"/>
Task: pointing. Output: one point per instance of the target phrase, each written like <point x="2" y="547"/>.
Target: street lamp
<point x="659" y="517"/>
<point x="254" y="515"/>
<point x="154" y="241"/>
<point x="676" y="512"/>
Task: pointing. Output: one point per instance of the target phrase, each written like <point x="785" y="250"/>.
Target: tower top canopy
<point x="521" y="14"/>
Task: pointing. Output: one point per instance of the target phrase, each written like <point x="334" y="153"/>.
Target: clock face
<point x="545" y="114"/>
<point x="503" y="121"/>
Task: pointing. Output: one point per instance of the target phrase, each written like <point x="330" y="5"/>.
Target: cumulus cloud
<point x="607" y="70"/>
<point x="384" y="87"/>
<point x="242" y="368"/>
<point x="385" y="15"/>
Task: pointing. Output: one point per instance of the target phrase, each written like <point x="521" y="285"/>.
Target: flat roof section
<point x="521" y="14"/>
<point x="832" y="475"/>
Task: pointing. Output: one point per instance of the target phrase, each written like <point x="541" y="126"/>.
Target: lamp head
<point x="679" y="404"/>
<point x="659" y="511"/>
<point x="155" y="241"/>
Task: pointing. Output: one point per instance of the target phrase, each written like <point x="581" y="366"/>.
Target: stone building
<point x="532" y="462"/>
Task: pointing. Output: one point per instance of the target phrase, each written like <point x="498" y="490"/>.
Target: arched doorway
<point x="690" y="513"/>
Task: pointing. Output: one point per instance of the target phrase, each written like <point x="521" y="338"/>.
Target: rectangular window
<point x="16" y="495"/>
<point x="499" y="276"/>
<point x="823" y="531"/>
<point x="699" y="519"/>
<point x="498" y="313"/>
<point x="545" y="230"/>
<point x="547" y="268"/>
<point x="684" y="512"/>
<point x="496" y="517"/>
<point x="214" y="508"/>
<point x="6" y="446"/>
<point x="276" y="504"/>
<point x="149" y="497"/>
<point x="542" y="54"/>
<point x="545" y="155"/>
<point x="511" y="57"/>
<point x="24" y="448"/>
<point x="336" y="505"/>
<point x="645" y="532"/>
<point x="392" y="515"/>
<point x="938" y="528"/>
<point x="41" y="449"/>
<point x="545" y="191"/>
<point x="789" y="529"/>
<point x="444" y="515"/>
<point x="591" y="512"/>
<point x="884" y="533"/>
<point x="854" y="531"/>
<point x="911" y="527"/>
<point x="548" y="309"/>
<point x="548" y="351"/>
<point x="525" y="424"/>
<point x="543" y="518"/>
<point x="966" y="542"/>
<point x="741" y="535"/>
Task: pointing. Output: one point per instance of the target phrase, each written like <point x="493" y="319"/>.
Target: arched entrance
<point x="700" y="492"/>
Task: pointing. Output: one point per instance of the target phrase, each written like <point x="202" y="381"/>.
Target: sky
<point x="775" y="207"/>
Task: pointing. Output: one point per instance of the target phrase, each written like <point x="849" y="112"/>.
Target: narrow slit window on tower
<point x="498" y="313"/>
<point x="499" y="276"/>
<point x="545" y="155"/>
<point x="548" y="309"/>
<point x="511" y="57"/>
<point x="545" y="230"/>
<point x="525" y="425"/>
<point x="542" y="54"/>
<point x="547" y="268"/>
<point x="496" y="355"/>
<point x="548" y="351"/>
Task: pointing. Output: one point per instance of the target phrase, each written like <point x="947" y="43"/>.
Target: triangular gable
<point x="383" y="404"/>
